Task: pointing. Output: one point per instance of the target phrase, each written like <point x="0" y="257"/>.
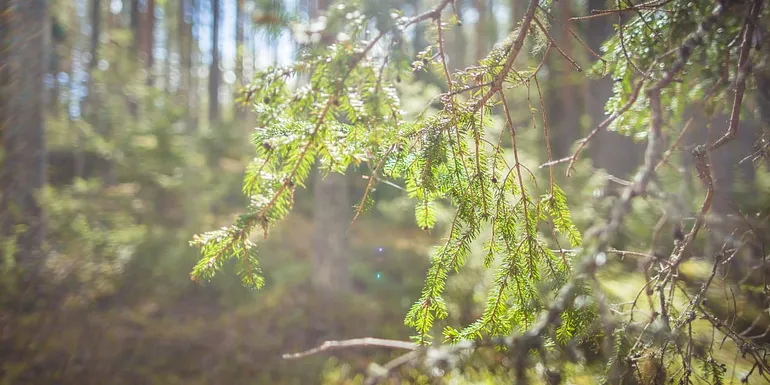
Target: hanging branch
<point x="742" y="73"/>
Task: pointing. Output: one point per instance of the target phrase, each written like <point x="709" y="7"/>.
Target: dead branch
<point x="356" y="342"/>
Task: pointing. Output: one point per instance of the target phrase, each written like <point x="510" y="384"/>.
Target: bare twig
<point x="571" y="32"/>
<point x="676" y="143"/>
<point x="356" y="342"/>
<point x="604" y="124"/>
<point x="392" y="365"/>
<point x="553" y="43"/>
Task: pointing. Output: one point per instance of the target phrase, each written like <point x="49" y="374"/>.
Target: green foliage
<point x="713" y="371"/>
<point x="91" y="243"/>
<point x="646" y="48"/>
<point x="340" y="106"/>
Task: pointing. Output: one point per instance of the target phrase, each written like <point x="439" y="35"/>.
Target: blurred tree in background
<point x="402" y="159"/>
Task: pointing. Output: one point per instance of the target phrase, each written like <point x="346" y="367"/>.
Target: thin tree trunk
<point x="240" y="112"/>
<point x="92" y="102"/>
<point x="189" y="79"/>
<point x="96" y="29"/>
<point x="135" y="21"/>
<point x="184" y="51"/>
<point x="146" y="31"/>
<point x="214" y="69"/>
<point x="55" y="65"/>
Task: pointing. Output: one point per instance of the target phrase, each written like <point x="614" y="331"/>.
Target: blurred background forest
<point x="146" y="141"/>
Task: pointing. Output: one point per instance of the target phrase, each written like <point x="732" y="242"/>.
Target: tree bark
<point x="214" y="69"/>
<point x="23" y="62"/>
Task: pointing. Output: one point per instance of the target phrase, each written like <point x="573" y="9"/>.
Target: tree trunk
<point x="240" y="112"/>
<point x="331" y="220"/>
<point x="92" y="102"/>
<point x="135" y="16"/>
<point x="330" y="244"/>
<point x="146" y="32"/>
<point x="57" y="36"/>
<point x="189" y="80"/>
<point x="22" y="107"/>
<point x="214" y="69"/>
<point x="96" y="24"/>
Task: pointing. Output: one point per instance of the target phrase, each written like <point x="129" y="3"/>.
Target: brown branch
<point x="741" y="75"/>
<point x="356" y="342"/>
<point x="623" y="45"/>
<point x="431" y="14"/>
